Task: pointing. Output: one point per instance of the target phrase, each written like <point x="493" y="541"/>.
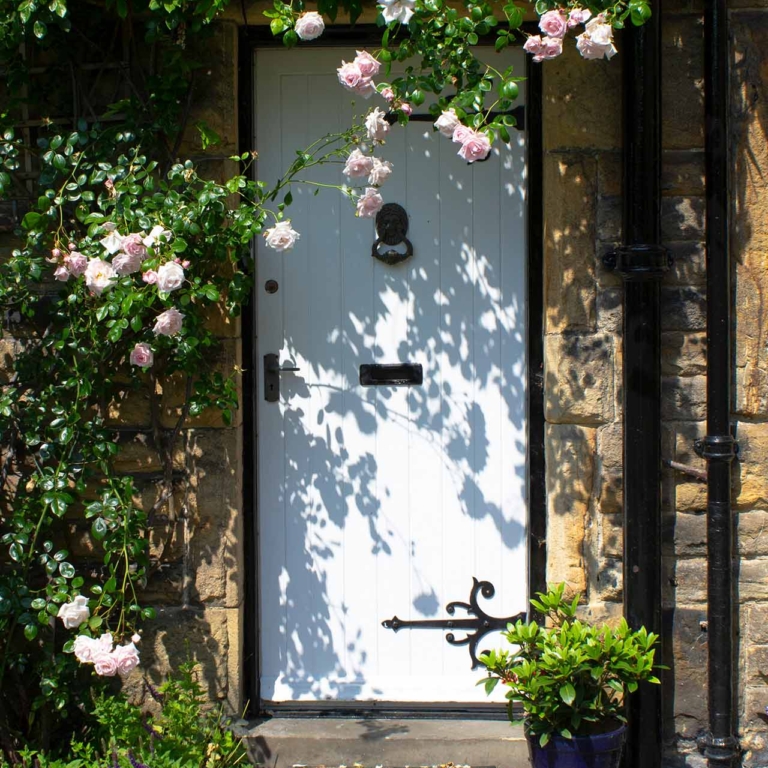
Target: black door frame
<point x="251" y="38"/>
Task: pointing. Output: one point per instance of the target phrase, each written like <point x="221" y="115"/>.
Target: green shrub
<point x="183" y="733"/>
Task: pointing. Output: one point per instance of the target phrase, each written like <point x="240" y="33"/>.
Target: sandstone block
<point x="608" y="579"/>
<point x="683" y="309"/>
<point x="690" y="496"/>
<point x="609" y="218"/>
<point x="579" y="105"/>
<point x="752" y="484"/>
<point x="682" y="94"/>
<point x="570" y="187"/>
<point x="570" y="455"/>
<point x="689" y="650"/>
<point x="211" y="637"/>
<point x="753" y="584"/>
<point x="684" y="398"/>
<point x="138" y="454"/>
<point x="579" y="383"/>
<point x="130" y="406"/>
<point x="216" y="543"/>
<point x="682" y="218"/>
<point x="610" y="166"/>
<point x="216" y="96"/>
<point x="751" y="391"/>
<point x="682" y="172"/>
<point x="686" y="582"/>
<point x="752" y="534"/>
<point x="226" y="359"/>
<point x="683" y="354"/>
<point x="756" y="664"/>
<point x="757" y="624"/>
<point x="610" y="310"/>
<point x="690" y="534"/>
<point x="610" y="448"/>
<point x="688" y="264"/>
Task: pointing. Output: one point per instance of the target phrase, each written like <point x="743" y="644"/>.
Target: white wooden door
<point x="376" y="501"/>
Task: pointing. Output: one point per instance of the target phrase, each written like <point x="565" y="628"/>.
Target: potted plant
<point x="572" y="680"/>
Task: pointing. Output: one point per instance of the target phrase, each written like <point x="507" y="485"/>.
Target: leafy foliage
<point x="571" y="678"/>
<point x="120" y="171"/>
<point x="184" y="733"/>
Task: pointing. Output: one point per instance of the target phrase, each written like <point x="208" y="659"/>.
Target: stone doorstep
<point x="287" y="742"/>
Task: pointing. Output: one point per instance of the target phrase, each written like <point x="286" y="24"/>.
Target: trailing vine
<point x="126" y="253"/>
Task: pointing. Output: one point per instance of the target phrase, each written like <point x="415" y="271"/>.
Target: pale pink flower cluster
<point x="360" y="165"/>
<point x="596" y="42"/>
<point x="108" y="659"/>
<point x="475" y="145"/>
<point x="309" y="26"/>
<point x="127" y="254"/>
<point x="357" y="76"/>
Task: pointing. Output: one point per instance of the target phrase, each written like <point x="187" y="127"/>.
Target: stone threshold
<point x="372" y="742"/>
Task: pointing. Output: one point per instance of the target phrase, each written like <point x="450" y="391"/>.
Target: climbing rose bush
<point x="126" y="252"/>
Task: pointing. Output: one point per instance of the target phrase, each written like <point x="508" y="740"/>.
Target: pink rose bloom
<point x="75" y="613"/>
<point x="281" y="237"/>
<point x="447" y="123"/>
<point x="476" y="146"/>
<point x="126" y="263"/>
<point x="112" y="242"/>
<point x="133" y="245"/>
<point x="368" y="205"/>
<point x="105" y="664"/>
<point x="596" y="41"/>
<point x="534" y="44"/>
<point x="353" y="79"/>
<point x="76" y="263"/>
<point x="397" y="10"/>
<point x="142" y="356"/>
<point x="150" y="276"/>
<point x="551" y="48"/>
<point x="380" y="172"/>
<point x="85" y="647"/>
<point x="554" y="24"/>
<point x="461" y="133"/>
<point x="358" y="165"/>
<point x="578" y="16"/>
<point x="376" y="126"/>
<point x="99" y="276"/>
<point x="170" y="276"/>
<point x="406" y="108"/>
<point x="388" y="94"/>
<point x="367" y="65"/>
<point x="126" y="658"/>
<point x="309" y="26"/>
<point x="61" y="274"/>
<point x="168" y="323"/>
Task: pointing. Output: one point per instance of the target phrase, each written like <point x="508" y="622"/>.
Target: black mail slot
<point x="392" y="374"/>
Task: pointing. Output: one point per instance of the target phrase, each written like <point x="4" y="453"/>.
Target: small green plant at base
<point x="571" y="678"/>
<point x="183" y="734"/>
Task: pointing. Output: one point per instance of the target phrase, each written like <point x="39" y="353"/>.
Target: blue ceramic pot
<point x="602" y="750"/>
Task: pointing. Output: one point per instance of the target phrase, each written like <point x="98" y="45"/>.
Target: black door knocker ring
<point x="391" y="228"/>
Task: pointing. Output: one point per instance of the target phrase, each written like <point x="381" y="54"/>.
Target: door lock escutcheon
<point x="272" y="371"/>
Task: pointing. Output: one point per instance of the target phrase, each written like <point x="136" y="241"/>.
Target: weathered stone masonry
<point x="199" y="592"/>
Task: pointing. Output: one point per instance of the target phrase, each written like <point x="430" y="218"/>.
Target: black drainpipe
<point x="642" y="262"/>
<point x="721" y="747"/>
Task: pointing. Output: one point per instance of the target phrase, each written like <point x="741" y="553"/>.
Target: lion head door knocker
<point x="391" y="227"/>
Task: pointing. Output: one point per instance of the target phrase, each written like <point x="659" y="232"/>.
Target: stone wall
<point x="583" y="353"/>
<point x="199" y="592"/>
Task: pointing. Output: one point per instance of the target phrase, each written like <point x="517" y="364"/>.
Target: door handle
<point x="272" y="371"/>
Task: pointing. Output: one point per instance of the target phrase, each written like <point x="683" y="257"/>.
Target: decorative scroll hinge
<point x="476" y="627"/>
